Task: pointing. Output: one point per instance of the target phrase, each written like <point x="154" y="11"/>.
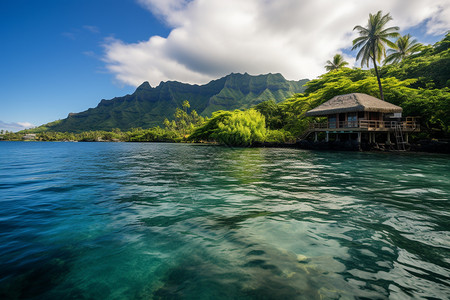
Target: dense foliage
<point x="177" y="130"/>
<point x="155" y="134"/>
<point x="236" y="128"/>
<point x="431" y="66"/>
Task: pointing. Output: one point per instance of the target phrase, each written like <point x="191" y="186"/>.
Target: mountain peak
<point x="144" y="86"/>
<point x="247" y="75"/>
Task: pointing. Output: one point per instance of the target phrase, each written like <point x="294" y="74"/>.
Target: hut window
<point x="352" y="120"/>
<point x="332" y="121"/>
<point x="374" y="116"/>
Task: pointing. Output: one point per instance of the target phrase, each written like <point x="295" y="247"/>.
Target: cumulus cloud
<point x="213" y="38"/>
<point x="15" y="126"/>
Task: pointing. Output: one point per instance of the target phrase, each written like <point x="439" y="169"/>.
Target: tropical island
<point x="246" y="110"/>
<point x="205" y="191"/>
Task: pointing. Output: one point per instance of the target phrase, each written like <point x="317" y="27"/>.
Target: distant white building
<point x="29" y="137"/>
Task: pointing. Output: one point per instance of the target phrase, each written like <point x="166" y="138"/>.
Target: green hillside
<point x="149" y="106"/>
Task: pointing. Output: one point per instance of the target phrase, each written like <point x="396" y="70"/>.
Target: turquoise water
<point x="176" y="221"/>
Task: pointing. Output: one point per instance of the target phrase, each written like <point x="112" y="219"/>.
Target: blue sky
<point x="62" y="56"/>
<point x="51" y="54"/>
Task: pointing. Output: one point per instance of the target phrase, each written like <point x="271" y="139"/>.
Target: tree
<point x="186" y="105"/>
<point x="233" y="128"/>
<point x="373" y="40"/>
<point x="337" y="63"/>
<point x="273" y="113"/>
<point x="404" y="46"/>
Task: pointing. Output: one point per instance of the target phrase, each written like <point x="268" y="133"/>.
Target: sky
<point x="63" y="56"/>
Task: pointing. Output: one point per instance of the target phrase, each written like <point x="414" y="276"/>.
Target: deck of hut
<point x="362" y="118"/>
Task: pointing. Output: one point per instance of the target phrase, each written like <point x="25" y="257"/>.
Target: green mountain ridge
<point x="149" y="106"/>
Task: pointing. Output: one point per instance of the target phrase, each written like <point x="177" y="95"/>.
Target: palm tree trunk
<point x="378" y="78"/>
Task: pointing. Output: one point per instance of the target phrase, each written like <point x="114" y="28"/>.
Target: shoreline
<point x="423" y="146"/>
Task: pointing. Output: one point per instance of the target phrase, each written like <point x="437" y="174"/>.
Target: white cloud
<point x="170" y="10"/>
<point x="213" y="38"/>
<point x="15" y="126"/>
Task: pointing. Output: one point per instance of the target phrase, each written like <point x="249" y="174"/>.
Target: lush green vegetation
<point x="177" y="130"/>
<point x="430" y="67"/>
<point x="244" y="128"/>
<point x="237" y="128"/>
<point x="156" y="134"/>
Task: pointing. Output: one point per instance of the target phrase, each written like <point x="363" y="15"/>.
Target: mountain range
<point x="149" y="106"/>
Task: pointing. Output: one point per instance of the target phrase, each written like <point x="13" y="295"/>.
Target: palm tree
<point x="372" y="41"/>
<point x="337" y="63"/>
<point x="404" y="46"/>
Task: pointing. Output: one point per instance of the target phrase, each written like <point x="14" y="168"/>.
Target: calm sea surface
<point x="177" y="221"/>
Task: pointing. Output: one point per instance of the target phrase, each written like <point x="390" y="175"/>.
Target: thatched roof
<point x="353" y="103"/>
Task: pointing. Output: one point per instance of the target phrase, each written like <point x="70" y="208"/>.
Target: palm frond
<point x="403" y="47"/>
<point x="360" y="29"/>
<point x="392" y="58"/>
<point x="338" y="62"/>
<point x="391" y="44"/>
<point x="359" y="45"/>
<point x="390" y="30"/>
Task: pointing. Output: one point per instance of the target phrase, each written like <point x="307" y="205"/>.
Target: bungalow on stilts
<point x="362" y="120"/>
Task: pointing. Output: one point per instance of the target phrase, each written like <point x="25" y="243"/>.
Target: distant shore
<point x="426" y="146"/>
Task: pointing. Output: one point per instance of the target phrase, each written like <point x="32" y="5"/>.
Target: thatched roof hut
<point x="354" y="102"/>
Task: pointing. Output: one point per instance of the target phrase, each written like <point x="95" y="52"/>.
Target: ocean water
<point x="179" y="221"/>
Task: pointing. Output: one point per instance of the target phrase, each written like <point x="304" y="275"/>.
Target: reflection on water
<point x="174" y="221"/>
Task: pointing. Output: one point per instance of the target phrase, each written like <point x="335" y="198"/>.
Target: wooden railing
<point x="366" y="124"/>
